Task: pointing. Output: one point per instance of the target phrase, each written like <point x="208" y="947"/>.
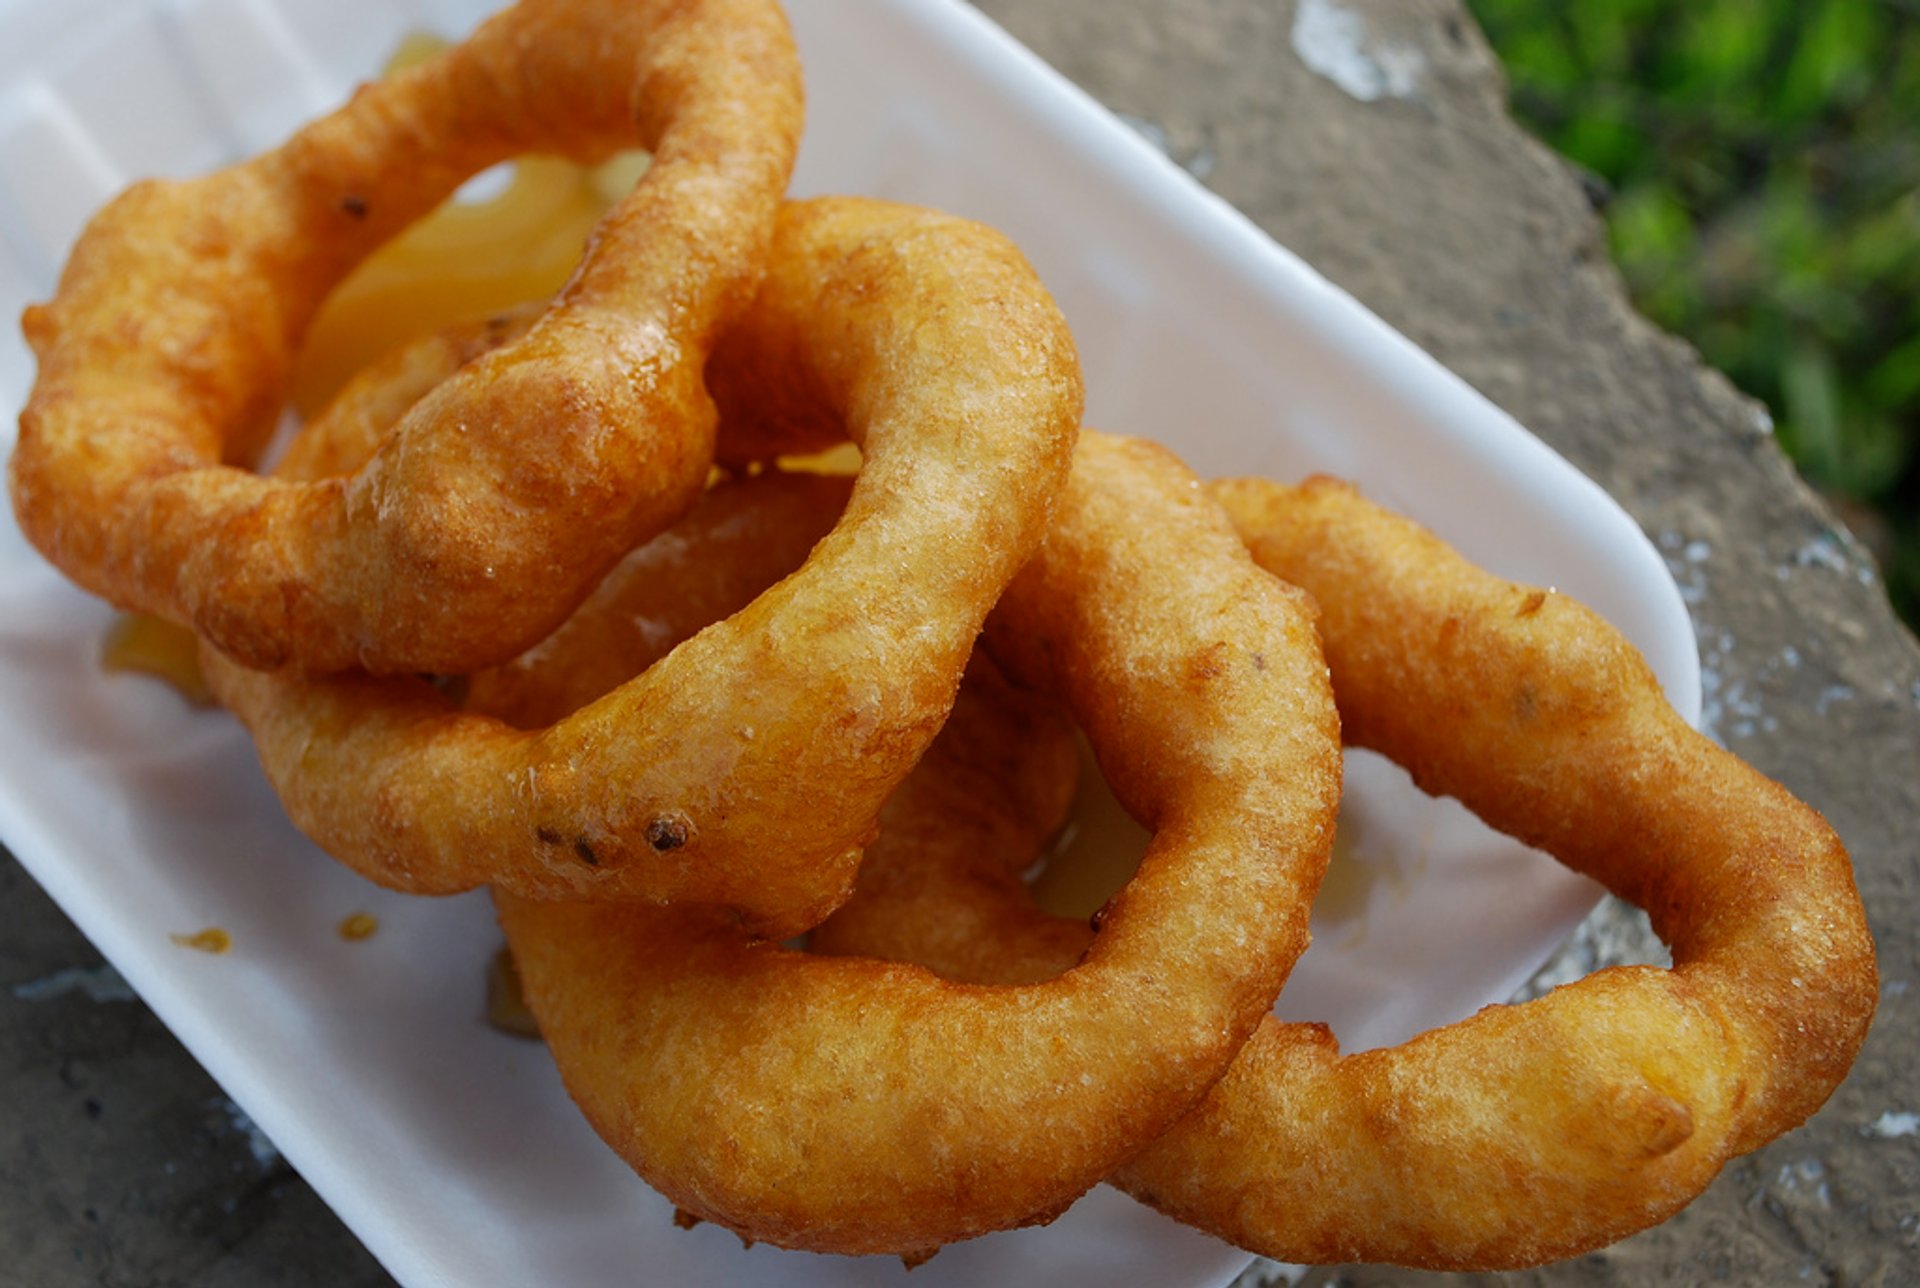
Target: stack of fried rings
<point x="776" y="1092"/>
<point x="927" y="339"/>
<point x="1525" y="1134"/>
<point x="1619" y="1133"/>
<point x="1594" y="1112"/>
<point x="1522" y="1135"/>
<point x="851" y="1103"/>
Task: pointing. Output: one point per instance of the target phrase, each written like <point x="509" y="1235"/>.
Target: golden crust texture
<point x="1535" y="1132"/>
<point x="932" y="343"/>
<point x="488" y="624"/>
<point x="852" y="1105"/>
<point x="1525" y="1133"/>
<point x="507" y="492"/>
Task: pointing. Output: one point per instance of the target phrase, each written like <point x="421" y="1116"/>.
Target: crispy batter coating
<point x="345" y="434"/>
<point x="851" y="1105"/>
<point x="932" y="343"/>
<point x="743" y="536"/>
<point x="1525" y="1133"/>
<point x="507" y="493"/>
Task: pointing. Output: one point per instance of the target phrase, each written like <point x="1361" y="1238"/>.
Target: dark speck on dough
<point x="668" y="832"/>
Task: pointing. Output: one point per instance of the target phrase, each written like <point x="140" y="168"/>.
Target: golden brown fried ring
<point x="850" y="1105"/>
<point x="508" y="492"/>
<point x="747" y="768"/>
<point x="1533" y="1132"/>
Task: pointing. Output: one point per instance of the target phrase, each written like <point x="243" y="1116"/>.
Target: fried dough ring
<point x="850" y="1105"/>
<point x="930" y="341"/>
<point x="1532" y="1132"/>
<point x="507" y="493"/>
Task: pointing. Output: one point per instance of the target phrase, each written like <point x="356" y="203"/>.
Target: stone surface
<point x="1371" y="137"/>
<point x="121" y="1162"/>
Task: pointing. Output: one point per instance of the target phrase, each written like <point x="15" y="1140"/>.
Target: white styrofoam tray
<point x="450" y="1149"/>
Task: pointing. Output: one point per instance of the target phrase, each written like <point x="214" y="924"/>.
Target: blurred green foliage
<point x="1764" y="158"/>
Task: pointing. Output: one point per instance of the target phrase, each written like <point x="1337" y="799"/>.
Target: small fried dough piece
<point x="930" y="341"/>
<point x="850" y="1105"/>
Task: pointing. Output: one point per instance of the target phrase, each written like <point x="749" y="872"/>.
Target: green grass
<point x="1764" y="157"/>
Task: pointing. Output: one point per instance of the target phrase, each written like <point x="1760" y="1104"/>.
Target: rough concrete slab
<point x="121" y="1162"/>
<point x="1376" y="144"/>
